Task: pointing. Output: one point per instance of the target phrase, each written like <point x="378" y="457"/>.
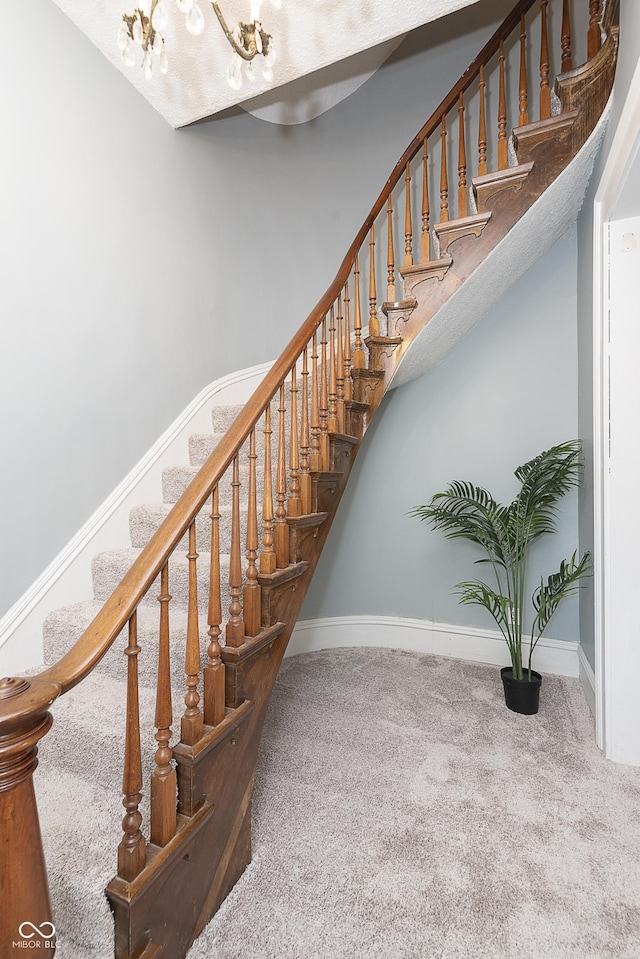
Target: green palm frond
<point x="545" y="479"/>
<point x="477" y="593"/>
<point x="470" y="512"/>
<point x="547" y="596"/>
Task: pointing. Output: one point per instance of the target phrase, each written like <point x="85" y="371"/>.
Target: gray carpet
<point x="401" y="812"/>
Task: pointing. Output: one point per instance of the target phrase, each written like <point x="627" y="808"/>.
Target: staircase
<point x="236" y="540"/>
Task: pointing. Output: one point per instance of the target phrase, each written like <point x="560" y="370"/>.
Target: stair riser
<point x="96" y="752"/>
<point x="202" y="445"/>
<point x="59" y="636"/>
<point x="176" y="480"/>
<point x="114" y="663"/>
<point x="223" y="417"/>
<point x="108" y="570"/>
<point x="144" y="521"/>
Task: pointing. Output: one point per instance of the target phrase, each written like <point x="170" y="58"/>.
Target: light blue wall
<point x="507" y="392"/>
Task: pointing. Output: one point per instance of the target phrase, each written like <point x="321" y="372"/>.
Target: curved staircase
<point x="236" y="540"/>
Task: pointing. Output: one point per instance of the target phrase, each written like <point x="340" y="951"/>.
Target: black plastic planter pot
<point x="521" y="695"/>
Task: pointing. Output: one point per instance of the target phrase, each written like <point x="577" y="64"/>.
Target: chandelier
<point x="143" y="32"/>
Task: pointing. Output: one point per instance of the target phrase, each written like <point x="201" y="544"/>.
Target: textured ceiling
<point x="311" y="36"/>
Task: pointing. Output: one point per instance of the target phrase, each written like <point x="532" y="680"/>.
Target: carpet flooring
<point x="402" y="812"/>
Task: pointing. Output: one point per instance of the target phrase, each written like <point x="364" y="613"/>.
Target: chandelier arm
<point x="150" y="36"/>
<point x="245" y="54"/>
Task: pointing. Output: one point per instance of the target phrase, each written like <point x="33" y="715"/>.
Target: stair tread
<point x="64" y="626"/>
<point x="132" y="552"/>
<point x="96" y="749"/>
<point x="145" y="519"/>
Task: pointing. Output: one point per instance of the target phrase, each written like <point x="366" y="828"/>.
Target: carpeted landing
<point x="402" y="812"/>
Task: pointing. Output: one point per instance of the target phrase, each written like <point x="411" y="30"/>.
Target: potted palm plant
<point x="505" y="534"/>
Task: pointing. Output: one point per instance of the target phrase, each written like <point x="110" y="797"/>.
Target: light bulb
<point x="234" y="73"/>
<point x="147" y="65"/>
<point x="184" y="5"/>
<point x="164" y="63"/>
<point x="128" y="55"/>
<point x="195" y="20"/>
<point x="123" y="37"/>
<point x="249" y="71"/>
<point x="255" y="10"/>
<point x="159" y="19"/>
<point x="138" y="35"/>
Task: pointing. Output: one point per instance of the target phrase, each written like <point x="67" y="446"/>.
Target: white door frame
<point x="625" y="144"/>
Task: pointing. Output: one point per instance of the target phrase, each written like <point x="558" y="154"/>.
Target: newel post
<point x="25" y="910"/>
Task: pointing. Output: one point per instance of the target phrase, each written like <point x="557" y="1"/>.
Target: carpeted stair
<point x="79" y="781"/>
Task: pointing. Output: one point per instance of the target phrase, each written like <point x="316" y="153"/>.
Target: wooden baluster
<point x="391" y="268"/>
<point x="502" y="115"/>
<point x="281" y="528"/>
<point x="358" y="353"/>
<point x="191" y="723"/>
<point x="332" y="420"/>
<point x="214" y="693"/>
<point x="444" y="182"/>
<point x="340" y="369"/>
<point x="268" y="555"/>
<point x="545" y="91"/>
<point x="408" y="224"/>
<point x="251" y="593"/>
<point x="294" y="503"/>
<point x="374" y="327"/>
<point x="315" y="458"/>
<point x="425" y="245"/>
<point x="482" y="128"/>
<point x="305" y="444"/>
<point x="163" y="777"/>
<point x="462" y="162"/>
<point x="235" y="624"/>
<point x="132" y="853"/>
<point x="523" y="117"/>
<point x="565" y="40"/>
<point x="324" y="401"/>
<point x="348" y="385"/>
<point x="593" y="34"/>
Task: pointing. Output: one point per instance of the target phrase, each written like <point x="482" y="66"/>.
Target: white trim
<point x="67" y="578"/>
<point x="424" y="636"/>
<point x="611" y="183"/>
<point x="587" y="680"/>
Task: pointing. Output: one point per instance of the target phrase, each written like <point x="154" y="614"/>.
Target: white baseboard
<point x="67" y="579"/>
<point x="587" y="680"/>
<point x="423" y="636"/>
